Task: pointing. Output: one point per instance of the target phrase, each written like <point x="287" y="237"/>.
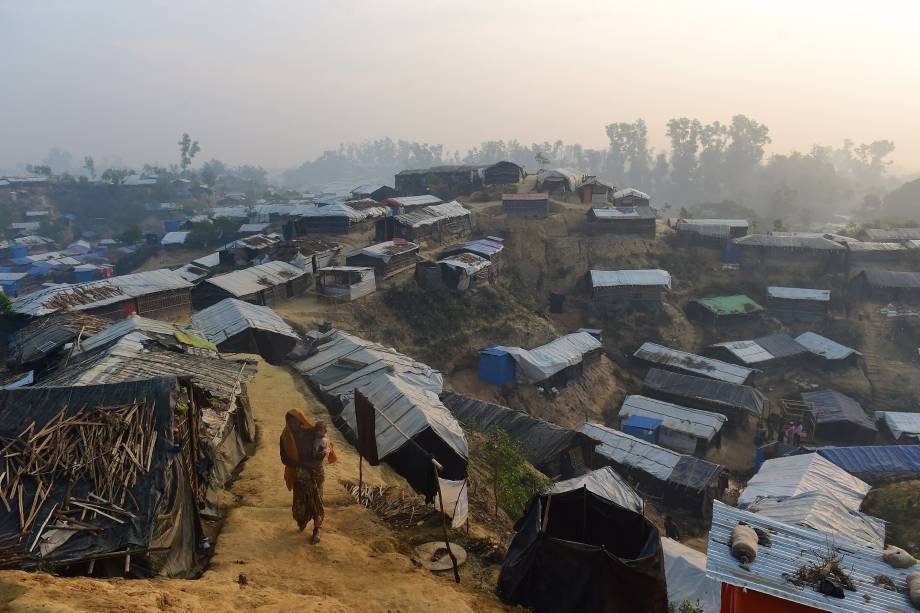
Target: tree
<point x="685" y="144"/>
<point x="6" y="307"/>
<point x="116" y="176"/>
<point x="541" y="158"/>
<point x="187" y="151"/>
<point x="514" y="481"/>
<point x="90" y="166"/>
<point x="131" y="235"/>
<point x="43" y="170"/>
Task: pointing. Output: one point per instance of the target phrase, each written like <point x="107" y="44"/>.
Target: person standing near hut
<point x="304" y="446"/>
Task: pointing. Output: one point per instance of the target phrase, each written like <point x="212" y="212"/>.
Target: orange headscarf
<point x="290" y="444"/>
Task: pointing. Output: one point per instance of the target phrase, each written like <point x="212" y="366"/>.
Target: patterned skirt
<point x="308" y="496"/>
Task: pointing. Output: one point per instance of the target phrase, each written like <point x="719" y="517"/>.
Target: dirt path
<point x="355" y="568"/>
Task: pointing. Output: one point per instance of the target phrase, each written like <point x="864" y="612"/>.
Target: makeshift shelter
<point x="894" y="235"/>
<point x="158" y="292"/>
<point x="39" y="344"/>
<point x="796" y="304"/>
<point x="775" y="352"/>
<point x="677" y="479"/>
<point x="873" y="285"/>
<point x="735" y="228"/>
<point x="592" y="190"/>
<point x="820" y="511"/>
<point x="403" y="412"/>
<point x="637" y="221"/>
<point x="526" y="205"/>
<point x="387" y="259"/>
<point x="764" y="585"/>
<point x="577" y="551"/>
<point x="875" y="464"/>
<point x="553" y="364"/>
<point x="679" y="428"/>
<point x="225" y="424"/>
<point x="404" y="204"/>
<point x="166" y="334"/>
<point x="830" y="352"/>
<point x="310" y="254"/>
<point x="553" y="450"/>
<point x="868" y="254"/>
<point x="558" y="180"/>
<point x="374" y="191"/>
<point x="87" y="509"/>
<point x="840" y="418"/>
<point x="335" y="218"/>
<point x="901" y="427"/>
<point x="345" y="282"/>
<point x="737" y="402"/>
<point x="240" y="327"/>
<point x="685" y="571"/>
<point x="264" y="284"/>
<point x="607" y="484"/>
<point x="724" y="310"/>
<point x="681" y="361"/>
<point x="795" y="251"/>
<point x="174" y="238"/>
<point x="490" y="248"/>
<point x="630" y="196"/>
<point x="613" y="291"/>
<point x="460" y="272"/>
<point x="440" y="223"/>
<point x="457" y="180"/>
<point x="797" y="474"/>
<point x="244" y="251"/>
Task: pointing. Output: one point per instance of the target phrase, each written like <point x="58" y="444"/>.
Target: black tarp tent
<point x="577" y="551"/>
<point x="553" y="450"/>
<point x="840" y="418"/>
<point x="165" y="528"/>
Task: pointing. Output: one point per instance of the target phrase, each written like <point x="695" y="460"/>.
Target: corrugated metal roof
<point x="732" y="223"/>
<point x="425" y="216"/>
<point x="410" y="201"/>
<point x="834" y="407"/>
<point x="900" y="423"/>
<point x="616" y="278"/>
<point x="385" y="250"/>
<point x="631" y="451"/>
<point x="893" y="234"/>
<point x="692" y="363"/>
<point x="748" y="352"/>
<point x="230" y="212"/>
<point x="92" y="294"/>
<point x="251" y="280"/>
<point x="782" y="241"/>
<point x="625" y="212"/>
<point x="820" y="511"/>
<point x="799" y="293"/>
<point x="208" y="261"/>
<point x="485" y="246"/>
<point x="824" y="347"/>
<point x="700" y="424"/>
<point x="797" y="474"/>
<point x="891" y="278"/>
<point x="739" y="304"/>
<point x="630" y="191"/>
<point x="253" y="227"/>
<point x="606" y="483"/>
<point x="861" y="246"/>
<point x="793" y="547"/>
<point x="133" y="324"/>
<point x="229" y="317"/>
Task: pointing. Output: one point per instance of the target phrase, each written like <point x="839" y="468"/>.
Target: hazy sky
<point x="275" y="83"/>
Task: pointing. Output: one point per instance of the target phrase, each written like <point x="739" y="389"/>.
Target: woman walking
<point x="303" y="449"/>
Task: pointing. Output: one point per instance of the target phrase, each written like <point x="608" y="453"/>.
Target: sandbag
<point x="744" y="543"/>
<point x="913" y="588"/>
<point x="898" y="558"/>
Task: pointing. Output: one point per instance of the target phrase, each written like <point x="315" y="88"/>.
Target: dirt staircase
<point x="890" y="378"/>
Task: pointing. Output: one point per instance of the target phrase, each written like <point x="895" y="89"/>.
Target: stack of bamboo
<point x="100" y="452"/>
<point x="393" y="505"/>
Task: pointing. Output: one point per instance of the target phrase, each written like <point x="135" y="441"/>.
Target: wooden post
<point x="584" y="512"/>
<point x="453" y="559"/>
<point x="360" y="478"/>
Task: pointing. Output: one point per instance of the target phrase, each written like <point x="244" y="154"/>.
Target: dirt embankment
<point x="360" y="565"/>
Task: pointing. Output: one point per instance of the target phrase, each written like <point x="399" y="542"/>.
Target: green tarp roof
<point x="730" y="305"/>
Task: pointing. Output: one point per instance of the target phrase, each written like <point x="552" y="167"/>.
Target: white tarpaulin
<point x="809" y="472"/>
<point x="455" y="499"/>
<point x="543" y="362"/>
<point x="685" y="572"/>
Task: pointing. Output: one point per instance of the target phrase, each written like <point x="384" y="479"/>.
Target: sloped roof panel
<point x="617" y="278"/>
<point x="809" y="472"/>
<point x="692" y="363"/>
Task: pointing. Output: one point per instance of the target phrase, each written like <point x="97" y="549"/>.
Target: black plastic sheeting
<point x="665" y="385"/>
<point x="545" y="445"/>
<point x="20" y="407"/>
<point x="840" y="418"/>
<point x="593" y="556"/>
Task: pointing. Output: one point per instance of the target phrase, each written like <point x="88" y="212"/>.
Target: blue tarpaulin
<point x="877" y="462"/>
<point x="642" y="427"/>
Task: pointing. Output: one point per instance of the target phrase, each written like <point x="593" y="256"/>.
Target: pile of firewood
<point x="395" y="506"/>
<point x="102" y="451"/>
